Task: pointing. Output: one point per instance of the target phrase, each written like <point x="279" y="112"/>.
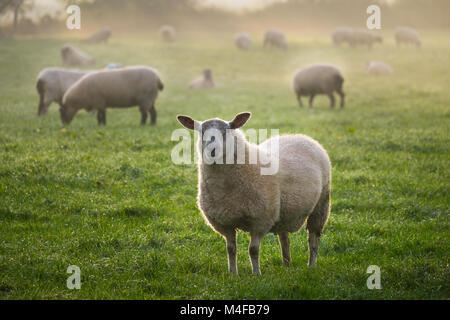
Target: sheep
<point x="236" y="196"/>
<point x="72" y="56"/>
<point x="52" y="83"/>
<point x="167" y="33"/>
<point x="318" y="79"/>
<point x="117" y="88"/>
<point x="361" y="37"/>
<point x="100" y="36"/>
<point x="406" y="35"/>
<point x="205" y="81"/>
<point x="242" y="41"/>
<point x="377" y="68"/>
<point x="342" y="35"/>
<point x="276" y="39"/>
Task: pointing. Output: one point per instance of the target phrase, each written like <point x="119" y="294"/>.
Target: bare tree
<point x="17" y="5"/>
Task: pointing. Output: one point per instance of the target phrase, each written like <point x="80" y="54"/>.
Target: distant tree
<point x="14" y="6"/>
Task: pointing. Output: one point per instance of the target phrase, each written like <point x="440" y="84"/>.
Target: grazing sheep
<point x="72" y="56"/>
<point x="167" y="33"/>
<point x="377" y="67"/>
<point x="318" y="79"/>
<point x="361" y="37"/>
<point x="243" y="41"/>
<point x="52" y="83"/>
<point x="406" y="35"/>
<point x="205" y="81"/>
<point x="118" y="88"/>
<point x="342" y="35"/>
<point x="100" y="36"/>
<point x="276" y="39"/>
<point x="236" y="196"/>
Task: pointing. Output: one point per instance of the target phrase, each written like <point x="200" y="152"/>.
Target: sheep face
<point x="207" y="73"/>
<point x="67" y="112"/>
<point x="214" y="135"/>
<point x="65" y="52"/>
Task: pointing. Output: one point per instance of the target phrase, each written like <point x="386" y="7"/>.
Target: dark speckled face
<point x="213" y="134"/>
<point x="214" y="131"/>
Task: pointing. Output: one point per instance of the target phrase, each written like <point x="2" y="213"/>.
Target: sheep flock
<point x="230" y="197"/>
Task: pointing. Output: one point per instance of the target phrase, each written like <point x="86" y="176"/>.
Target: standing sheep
<point x="406" y="35"/>
<point x="378" y="68"/>
<point x="118" y="88"/>
<point x="342" y="35"/>
<point x="362" y="37"/>
<point x="236" y="196"/>
<point x="242" y="41"/>
<point x="52" y="84"/>
<point x="100" y="36"/>
<point x="276" y="39"/>
<point x="318" y="79"/>
<point x="205" y="81"/>
<point x="72" y="56"/>
<point x="167" y="33"/>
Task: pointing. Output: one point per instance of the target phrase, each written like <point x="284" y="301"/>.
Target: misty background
<point x="47" y="17"/>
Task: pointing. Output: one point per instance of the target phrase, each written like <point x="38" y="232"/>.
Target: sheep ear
<point x="240" y="120"/>
<point x="186" y="121"/>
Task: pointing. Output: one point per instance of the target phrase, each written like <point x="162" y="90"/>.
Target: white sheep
<point x="205" y="81"/>
<point x="100" y="36"/>
<point x="167" y="33"/>
<point x="406" y="35"/>
<point x="276" y="39"/>
<point x="52" y="83"/>
<point x="318" y="79"/>
<point x="117" y="88"/>
<point x="378" y="68"/>
<point x="236" y="196"/>
<point x="242" y="41"/>
<point x="72" y="56"/>
<point x="355" y="37"/>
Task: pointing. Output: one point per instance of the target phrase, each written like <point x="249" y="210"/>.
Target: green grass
<point x="109" y="199"/>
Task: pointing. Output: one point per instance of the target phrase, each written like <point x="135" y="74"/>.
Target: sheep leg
<point x="43" y="104"/>
<point x="283" y="238"/>
<point x="143" y="115"/>
<point x="331" y="96"/>
<point x="253" y="250"/>
<point x="230" y="237"/>
<point x="101" y="116"/>
<point x="311" y="100"/>
<point x="342" y="96"/>
<point x="315" y="224"/>
<point x="152" y="112"/>
<point x="313" y="244"/>
<point x="299" y="99"/>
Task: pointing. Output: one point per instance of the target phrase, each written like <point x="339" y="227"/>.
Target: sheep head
<point x="214" y="134"/>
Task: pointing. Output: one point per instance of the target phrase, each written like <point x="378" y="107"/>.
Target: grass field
<point x="109" y="199"/>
